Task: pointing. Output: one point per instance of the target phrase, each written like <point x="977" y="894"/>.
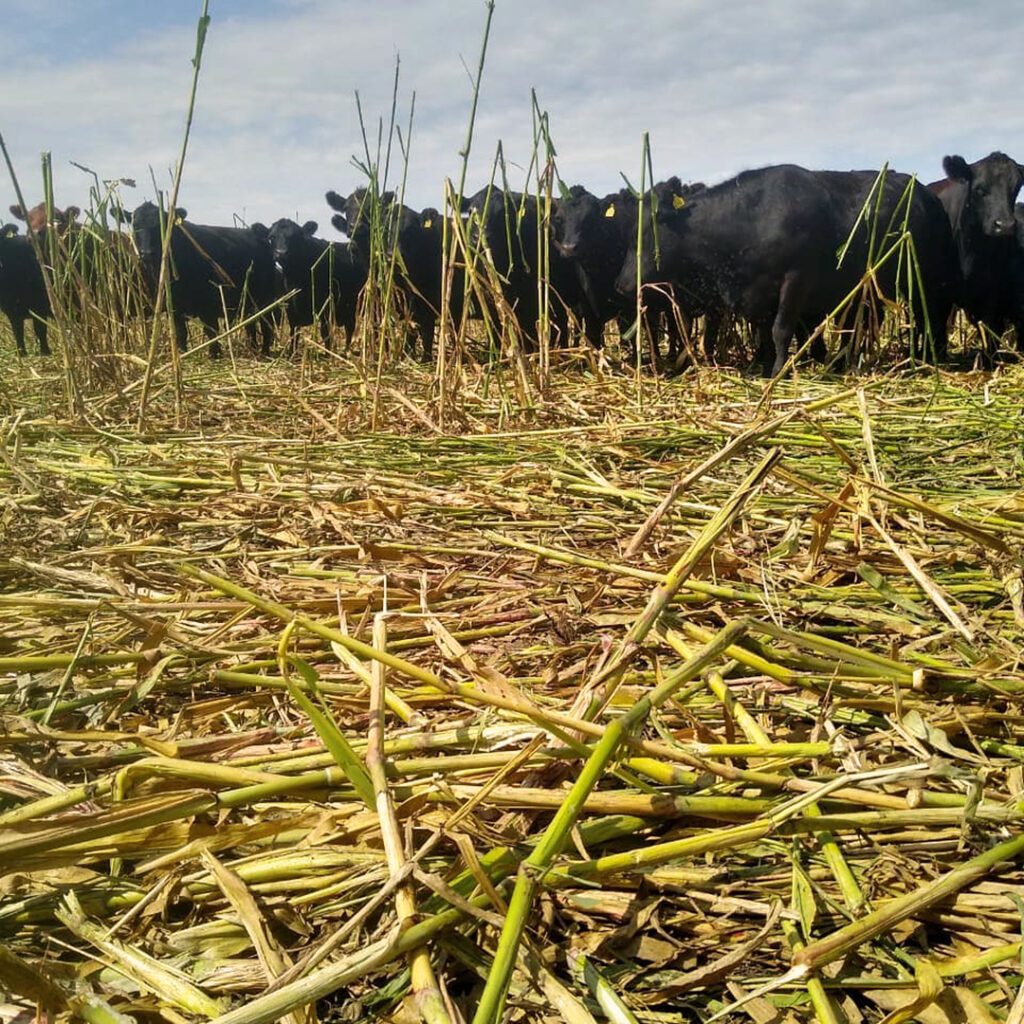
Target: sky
<point x="718" y="86"/>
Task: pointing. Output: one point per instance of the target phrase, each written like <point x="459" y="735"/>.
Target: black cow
<point x="212" y="270"/>
<point x="595" y="234"/>
<point x="328" y="276"/>
<point x="767" y="241"/>
<point x="22" y="288"/>
<point x="507" y="227"/>
<point x="415" y="240"/>
<point x="979" y="201"/>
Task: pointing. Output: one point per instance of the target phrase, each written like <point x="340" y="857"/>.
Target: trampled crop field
<point x="316" y="689"/>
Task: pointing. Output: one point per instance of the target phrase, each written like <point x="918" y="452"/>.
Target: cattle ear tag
<point x="428" y="222"/>
<point x="678" y="202"/>
<point x="610" y="212"/>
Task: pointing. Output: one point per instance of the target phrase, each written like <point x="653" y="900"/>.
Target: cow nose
<point x="1005" y="227"/>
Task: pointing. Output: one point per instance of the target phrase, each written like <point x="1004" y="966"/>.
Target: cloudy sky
<point x="719" y="85"/>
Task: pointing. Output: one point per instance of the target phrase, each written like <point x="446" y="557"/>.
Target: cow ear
<point x="387" y="199"/>
<point x="72" y="213"/>
<point x="18" y="210"/>
<point x="956" y="168"/>
<point x="334" y="201"/>
<point x="340" y="223"/>
<point x="675" y="184"/>
<point x="120" y="215"/>
<point x="8" y="231"/>
<point x="181" y="213"/>
<point x="428" y="216"/>
<point x="309" y="228"/>
<point x="259" y="230"/>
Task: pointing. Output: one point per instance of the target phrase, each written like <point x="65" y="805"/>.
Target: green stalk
<point x="662" y="595"/>
<point x="327" y="729"/>
<point x="170" y="986"/>
<point x="426" y="992"/>
<point x="78" y="829"/>
<point x="532" y="870"/>
<point x="286" y="615"/>
<point x="886" y="917"/>
<point x="824" y="1008"/>
<point x="46" y="662"/>
<point x="833" y="855"/>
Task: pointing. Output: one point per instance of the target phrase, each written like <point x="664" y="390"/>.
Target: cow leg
<point x="265" y="328"/>
<point x="180" y="332"/>
<point x="324" y="324"/>
<point x="791" y="297"/>
<point x="762" y="336"/>
<point x="18" y="328"/>
<point x="427" y="325"/>
<point x="211" y="331"/>
<point x="593" y="329"/>
<point x="349" y="323"/>
<point x="712" y="327"/>
<point x="679" y="333"/>
<point x="40" y="328"/>
<point x="782" y="334"/>
<point x="819" y="350"/>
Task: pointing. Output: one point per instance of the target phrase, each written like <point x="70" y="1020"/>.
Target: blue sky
<point x="720" y="85"/>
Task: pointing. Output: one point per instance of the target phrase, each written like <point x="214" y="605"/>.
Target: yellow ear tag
<point x="428" y="222"/>
<point x="178" y="221"/>
<point x="610" y="212"/>
<point x="678" y="202"/>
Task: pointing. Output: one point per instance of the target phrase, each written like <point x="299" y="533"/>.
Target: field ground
<point x="187" y="807"/>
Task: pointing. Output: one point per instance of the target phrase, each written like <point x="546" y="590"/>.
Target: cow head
<point x="577" y="222"/>
<point x="288" y="240"/>
<point x="665" y="209"/>
<point x="504" y="224"/>
<point x="990" y="188"/>
<point x="36" y="219"/>
<point x="358" y="212"/>
<point x="8" y="231"/>
<point x="146" y="228"/>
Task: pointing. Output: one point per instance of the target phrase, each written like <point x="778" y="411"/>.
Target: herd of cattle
<point x="780" y="247"/>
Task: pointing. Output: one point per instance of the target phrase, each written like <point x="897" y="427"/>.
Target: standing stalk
<point x="168" y="229"/>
